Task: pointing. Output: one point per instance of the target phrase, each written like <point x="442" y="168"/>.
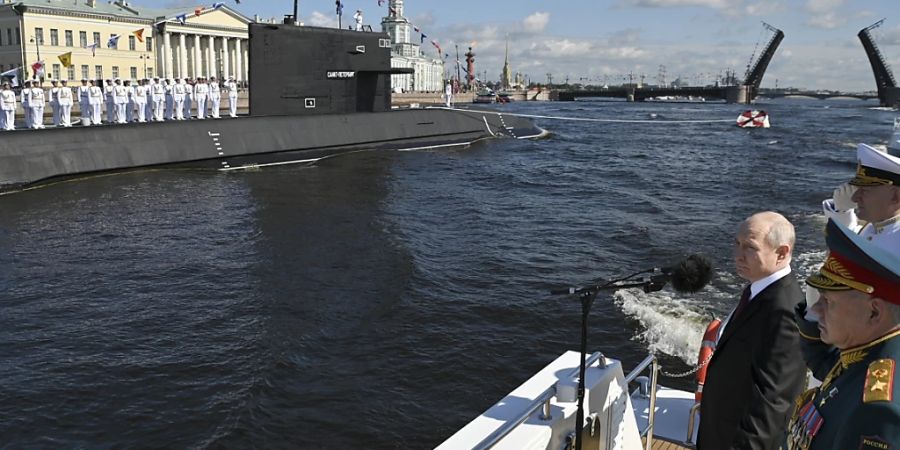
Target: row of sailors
<point x="146" y="100"/>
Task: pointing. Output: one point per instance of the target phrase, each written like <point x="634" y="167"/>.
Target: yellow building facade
<point x="172" y="43"/>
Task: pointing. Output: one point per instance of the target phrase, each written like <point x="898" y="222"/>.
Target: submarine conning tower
<point x="300" y="70"/>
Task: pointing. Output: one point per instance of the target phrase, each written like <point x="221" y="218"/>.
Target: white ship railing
<point x="542" y="401"/>
<point x="649" y="361"/>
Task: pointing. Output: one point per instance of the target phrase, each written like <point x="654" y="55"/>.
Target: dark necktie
<point x="745" y="300"/>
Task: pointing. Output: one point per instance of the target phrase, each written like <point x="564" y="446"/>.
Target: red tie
<point x="745" y="300"/>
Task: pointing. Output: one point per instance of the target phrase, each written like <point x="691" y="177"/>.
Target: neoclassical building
<point x="428" y="72"/>
<point x="203" y="41"/>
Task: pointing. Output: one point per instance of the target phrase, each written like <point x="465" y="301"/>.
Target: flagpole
<point x="296" y="18"/>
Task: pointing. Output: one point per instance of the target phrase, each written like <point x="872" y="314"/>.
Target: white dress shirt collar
<point x="759" y="285"/>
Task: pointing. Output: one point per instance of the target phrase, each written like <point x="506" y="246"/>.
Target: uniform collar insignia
<point x="857" y="354"/>
<point x="880" y="226"/>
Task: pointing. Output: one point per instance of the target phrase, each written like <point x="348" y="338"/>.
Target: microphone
<point x="689" y="275"/>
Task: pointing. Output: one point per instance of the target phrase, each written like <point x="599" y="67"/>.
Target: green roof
<point x="116" y="8"/>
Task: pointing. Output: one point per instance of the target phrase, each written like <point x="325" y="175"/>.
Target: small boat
<point x="485" y="97"/>
<point x="753" y="119"/>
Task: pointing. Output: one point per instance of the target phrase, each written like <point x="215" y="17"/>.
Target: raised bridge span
<point x="744" y="92"/>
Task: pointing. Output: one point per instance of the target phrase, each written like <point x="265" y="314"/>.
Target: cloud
<point x="677" y="3"/>
<point x="318" y="19"/>
<point x="824" y="14"/>
<point x="536" y="22"/>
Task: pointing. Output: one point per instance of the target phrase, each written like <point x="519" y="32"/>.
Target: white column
<point x="226" y="55"/>
<point x="210" y="57"/>
<point x="238" y="66"/>
<point x="197" y="58"/>
<point x="165" y="51"/>
<point x="246" y="73"/>
<point x="182" y="57"/>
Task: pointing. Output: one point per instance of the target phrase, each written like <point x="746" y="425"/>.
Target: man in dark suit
<point x="757" y="369"/>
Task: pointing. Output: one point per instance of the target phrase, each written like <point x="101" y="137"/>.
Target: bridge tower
<point x="747" y="91"/>
<point x="888" y="92"/>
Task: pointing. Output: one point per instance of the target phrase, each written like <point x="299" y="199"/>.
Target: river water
<point x="382" y="300"/>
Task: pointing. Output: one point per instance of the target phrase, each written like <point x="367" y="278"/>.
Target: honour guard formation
<point x="128" y="101"/>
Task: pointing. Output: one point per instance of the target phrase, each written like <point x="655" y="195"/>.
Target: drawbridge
<point x="741" y="92"/>
<point x="888" y="92"/>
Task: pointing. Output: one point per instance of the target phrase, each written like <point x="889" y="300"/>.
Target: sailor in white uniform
<point x="132" y="102"/>
<point x="170" y="99"/>
<point x="148" y="106"/>
<point x="8" y="107"/>
<point x="232" y="88"/>
<point x="201" y="93"/>
<point x="36" y="104"/>
<point x="66" y="99"/>
<point x="54" y="101"/>
<point x="109" y="93"/>
<point x="120" y="100"/>
<point x="140" y="101"/>
<point x="873" y="195"/>
<point x="178" y="92"/>
<point x="84" y="98"/>
<point x="448" y="94"/>
<point x="188" y="97"/>
<point x="358" y="17"/>
<point x="158" y="96"/>
<point x="95" y="98"/>
<point x="215" y="97"/>
<point x="26" y="102"/>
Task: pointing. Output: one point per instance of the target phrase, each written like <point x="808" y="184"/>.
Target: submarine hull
<point x="34" y="157"/>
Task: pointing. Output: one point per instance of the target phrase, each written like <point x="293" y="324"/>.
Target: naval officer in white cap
<point x="873" y="196"/>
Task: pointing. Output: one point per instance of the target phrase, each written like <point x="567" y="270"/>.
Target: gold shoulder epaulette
<point x="879" y="381"/>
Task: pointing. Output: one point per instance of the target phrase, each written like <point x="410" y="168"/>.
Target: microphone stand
<point x="587" y="295"/>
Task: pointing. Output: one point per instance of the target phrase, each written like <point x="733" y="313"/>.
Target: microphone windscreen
<point x="692" y="274"/>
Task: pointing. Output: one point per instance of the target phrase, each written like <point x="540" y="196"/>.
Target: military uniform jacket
<point x="755" y="374"/>
<point x="858" y="404"/>
<point x="7" y="100"/>
<point x="84" y="93"/>
<point x="885" y="234"/>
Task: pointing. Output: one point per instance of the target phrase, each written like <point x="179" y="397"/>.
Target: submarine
<point x="314" y="93"/>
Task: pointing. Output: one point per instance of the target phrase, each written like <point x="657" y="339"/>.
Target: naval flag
<point x="218" y="5"/>
<point x="13" y="75"/>
<point x="422" y="38"/>
<point x="93" y="48"/>
<point x="66" y="59"/>
<point x="38" y="69"/>
<point x="181" y="18"/>
<point x="380" y="2"/>
<point x="338" y="8"/>
<point x="198" y="10"/>
<point x="113" y="41"/>
<point x="139" y="34"/>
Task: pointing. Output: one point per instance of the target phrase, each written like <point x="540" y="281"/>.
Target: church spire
<point x="506" y="76"/>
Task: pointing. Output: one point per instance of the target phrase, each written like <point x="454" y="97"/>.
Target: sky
<point x="601" y="41"/>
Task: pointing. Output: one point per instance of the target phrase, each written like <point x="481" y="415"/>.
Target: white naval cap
<point x="875" y="168"/>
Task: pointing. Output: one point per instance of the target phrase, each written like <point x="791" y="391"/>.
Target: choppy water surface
<point x="383" y="300"/>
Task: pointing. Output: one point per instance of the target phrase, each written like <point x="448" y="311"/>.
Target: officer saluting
<point x="853" y="349"/>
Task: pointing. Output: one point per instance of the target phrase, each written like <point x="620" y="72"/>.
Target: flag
<point x="38" y="69"/>
<point x="416" y="29"/>
<point x="422" y="38"/>
<point x="437" y="46"/>
<point x="13" y="75"/>
<point x="66" y="59"/>
<point x="338" y="8"/>
<point x="218" y="5"/>
<point x="113" y="41"/>
<point x="181" y="18"/>
<point x="139" y="34"/>
<point x="93" y="48"/>
<point x="198" y="10"/>
<point x="380" y="2"/>
<point x="392" y="11"/>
